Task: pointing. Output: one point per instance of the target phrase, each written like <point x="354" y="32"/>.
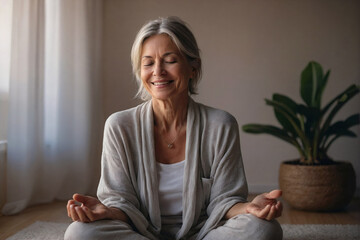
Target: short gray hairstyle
<point x="180" y="34"/>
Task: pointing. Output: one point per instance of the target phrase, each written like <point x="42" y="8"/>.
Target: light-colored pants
<point x="240" y="227"/>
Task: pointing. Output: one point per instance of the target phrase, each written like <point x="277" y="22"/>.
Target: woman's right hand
<point x="91" y="209"/>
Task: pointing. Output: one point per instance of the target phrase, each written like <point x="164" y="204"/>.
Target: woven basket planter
<point x="317" y="188"/>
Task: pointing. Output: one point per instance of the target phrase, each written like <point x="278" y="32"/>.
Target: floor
<point x="56" y="212"/>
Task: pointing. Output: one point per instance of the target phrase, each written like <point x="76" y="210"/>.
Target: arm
<point x="118" y="186"/>
<point x="115" y="190"/>
<point x="228" y="171"/>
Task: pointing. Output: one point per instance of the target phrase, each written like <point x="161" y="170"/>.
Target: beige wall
<point x="250" y="49"/>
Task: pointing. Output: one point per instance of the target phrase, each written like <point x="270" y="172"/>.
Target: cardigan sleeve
<point x="229" y="184"/>
<point x="116" y="186"/>
<point x="225" y="179"/>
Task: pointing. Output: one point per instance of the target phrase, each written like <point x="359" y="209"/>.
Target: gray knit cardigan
<point x="214" y="178"/>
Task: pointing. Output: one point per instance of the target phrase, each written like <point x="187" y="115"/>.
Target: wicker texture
<point x="317" y="188"/>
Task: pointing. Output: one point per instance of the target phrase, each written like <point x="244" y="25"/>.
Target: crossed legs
<point x="240" y="227"/>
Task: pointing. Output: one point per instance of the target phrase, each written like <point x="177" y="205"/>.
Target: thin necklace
<point x="171" y="144"/>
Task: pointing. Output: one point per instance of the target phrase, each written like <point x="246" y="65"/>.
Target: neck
<point x="170" y="114"/>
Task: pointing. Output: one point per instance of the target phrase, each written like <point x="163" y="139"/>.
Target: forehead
<point x="158" y="44"/>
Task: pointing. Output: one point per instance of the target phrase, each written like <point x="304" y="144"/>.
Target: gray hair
<point x="183" y="38"/>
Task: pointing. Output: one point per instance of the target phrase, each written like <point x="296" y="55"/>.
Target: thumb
<point x="80" y="198"/>
<point x="274" y="194"/>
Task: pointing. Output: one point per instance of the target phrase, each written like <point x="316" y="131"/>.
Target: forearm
<point x="117" y="214"/>
<point x="238" y="208"/>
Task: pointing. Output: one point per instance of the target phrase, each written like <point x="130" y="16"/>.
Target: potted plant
<point x="314" y="181"/>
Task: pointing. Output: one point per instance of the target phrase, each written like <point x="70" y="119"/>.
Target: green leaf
<point x="341" y="128"/>
<point x="353" y="89"/>
<point x="312" y="119"/>
<point x="291" y="106"/>
<point x="340" y="102"/>
<point x="338" y="128"/>
<point x="282" y="107"/>
<point x="345" y="133"/>
<point x="312" y="84"/>
<point x="321" y="89"/>
<point x="268" y="129"/>
<point x="353" y="120"/>
<point x="274" y="131"/>
<point x="291" y="117"/>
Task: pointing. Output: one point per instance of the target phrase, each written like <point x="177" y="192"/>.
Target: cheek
<point x="144" y="75"/>
<point x="144" y="80"/>
<point x="186" y="74"/>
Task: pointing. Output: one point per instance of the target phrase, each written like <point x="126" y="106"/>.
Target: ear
<point x="193" y="72"/>
<point x="194" y="64"/>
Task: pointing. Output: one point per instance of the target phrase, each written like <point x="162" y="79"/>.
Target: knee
<point x="103" y="229"/>
<point x="261" y="229"/>
<point x="79" y="231"/>
<point x="257" y="228"/>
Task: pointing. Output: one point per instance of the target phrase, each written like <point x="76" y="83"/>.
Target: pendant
<point x="170" y="145"/>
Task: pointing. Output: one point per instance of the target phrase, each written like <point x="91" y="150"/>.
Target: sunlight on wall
<point x="5" y="45"/>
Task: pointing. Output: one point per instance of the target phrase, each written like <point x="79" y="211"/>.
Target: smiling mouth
<point x="162" y="83"/>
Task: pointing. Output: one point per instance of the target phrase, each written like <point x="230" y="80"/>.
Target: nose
<point x="158" y="69"/>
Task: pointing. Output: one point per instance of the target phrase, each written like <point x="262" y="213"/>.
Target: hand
<point x="91" y="209"/>
<point x="265" y="206"/>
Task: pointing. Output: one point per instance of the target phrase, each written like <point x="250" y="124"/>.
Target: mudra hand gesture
<point x="265" y="206"/>
<point x="91" y="209"/>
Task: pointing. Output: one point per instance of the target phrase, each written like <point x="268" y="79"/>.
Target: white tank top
<point x="170" y="178"/>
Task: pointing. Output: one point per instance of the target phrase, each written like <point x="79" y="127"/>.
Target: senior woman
<point x="172" y="167"/>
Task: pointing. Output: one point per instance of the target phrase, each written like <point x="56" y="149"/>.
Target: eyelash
<point x="170" y="62"/>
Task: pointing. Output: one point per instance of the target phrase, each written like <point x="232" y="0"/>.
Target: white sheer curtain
<point x="54" y="128"/>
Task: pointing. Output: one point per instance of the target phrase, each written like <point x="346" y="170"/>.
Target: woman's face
<point x="165" y="72"/>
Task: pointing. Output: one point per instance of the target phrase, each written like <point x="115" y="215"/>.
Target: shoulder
<point x="211" y="115"/>
<point x="126" y="117"/>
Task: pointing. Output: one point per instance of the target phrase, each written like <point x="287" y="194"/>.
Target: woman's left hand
<point x="266" y="206"/>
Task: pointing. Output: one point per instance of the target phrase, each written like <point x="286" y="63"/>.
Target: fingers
<point x="274" y="194"/>
<point x="260" y="213"/>
<point x="77" y="213"/>
<point x="81" y="214"/>
<point x="73" y="214"/>
<point x="269" y="212"/>
<point x="70" y="202"/>
<point x="272" y="213"/>
<point x="86" y="200"/>
<point x="89" y="214"/>
<point x="279" y="208"/>
<point x="264" y="212"/>
<point x="80" y="198"/>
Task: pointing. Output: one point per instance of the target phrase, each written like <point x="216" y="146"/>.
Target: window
<point x="5" y="46"/>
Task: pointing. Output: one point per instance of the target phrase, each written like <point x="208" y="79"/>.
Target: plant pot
<point x="319" y="187"/>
